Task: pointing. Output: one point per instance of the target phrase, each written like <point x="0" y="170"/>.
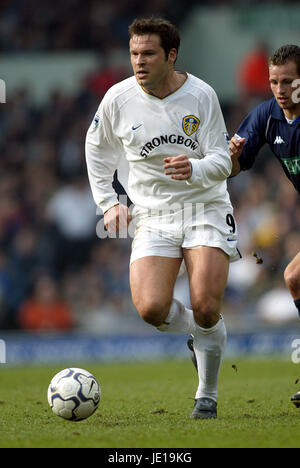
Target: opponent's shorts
<point x="164" y="233"/>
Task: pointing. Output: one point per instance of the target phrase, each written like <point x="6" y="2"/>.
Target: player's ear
<point x="172" y="56"/>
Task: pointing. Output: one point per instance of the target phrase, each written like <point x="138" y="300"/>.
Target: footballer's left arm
<point x="213" y="138"/>
<point x="178" y="167"/>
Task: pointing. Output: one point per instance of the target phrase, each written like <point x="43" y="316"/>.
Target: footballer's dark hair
<point x="168" y="32"/>
<point x="286" y="53"/>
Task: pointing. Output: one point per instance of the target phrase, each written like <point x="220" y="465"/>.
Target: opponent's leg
<point x="292" y="279"/>
<point x="207" y="268"/>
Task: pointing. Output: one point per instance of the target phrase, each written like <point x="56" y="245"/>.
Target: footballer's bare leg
<point x="292" y="279"/>
<point x="207" y="269"/>
<point x="152" y="281"/>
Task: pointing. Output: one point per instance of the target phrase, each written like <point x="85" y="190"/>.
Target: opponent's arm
<point x="236" y="148"/>
<point x="249" y="138"/>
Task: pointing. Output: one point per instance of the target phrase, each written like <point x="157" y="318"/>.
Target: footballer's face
<point x="151" y="67"/>
<point x="282" y="80"/>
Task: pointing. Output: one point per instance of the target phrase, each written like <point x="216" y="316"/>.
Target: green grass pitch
<point x="147" y="405"/>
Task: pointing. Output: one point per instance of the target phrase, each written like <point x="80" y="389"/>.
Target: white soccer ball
<point x="74" y="394"/>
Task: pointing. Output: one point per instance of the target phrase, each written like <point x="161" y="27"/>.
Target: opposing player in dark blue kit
<point x="277" y="123"/>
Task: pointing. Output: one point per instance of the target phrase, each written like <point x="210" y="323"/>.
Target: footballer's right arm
<point x="103" y="152"/>
<point x="117" y="218"/>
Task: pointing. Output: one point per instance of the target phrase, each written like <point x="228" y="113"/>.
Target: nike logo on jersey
<point x="278" y="140"/>
<point x="135" y="128"/>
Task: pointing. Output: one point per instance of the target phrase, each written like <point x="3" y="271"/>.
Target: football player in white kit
<point x="167" y="128"/>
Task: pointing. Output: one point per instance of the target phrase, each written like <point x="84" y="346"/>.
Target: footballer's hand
<point x="117" y="218"/>
<point x="178" y="167"/>
<point x="236" y="147"/>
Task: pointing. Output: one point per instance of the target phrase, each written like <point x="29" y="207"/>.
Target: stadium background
<point x="57" y="62"/>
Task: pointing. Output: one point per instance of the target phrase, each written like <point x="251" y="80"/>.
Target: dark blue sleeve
<point x="253" y="128"/>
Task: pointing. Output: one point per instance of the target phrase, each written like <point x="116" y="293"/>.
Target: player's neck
<point x="173" y="83"/>
<point x="292" y="114"/>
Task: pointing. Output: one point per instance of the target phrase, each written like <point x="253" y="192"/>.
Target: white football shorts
<point x="164" y="233"/>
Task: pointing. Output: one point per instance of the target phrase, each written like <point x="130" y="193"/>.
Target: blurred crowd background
<point x="55" y="272"/>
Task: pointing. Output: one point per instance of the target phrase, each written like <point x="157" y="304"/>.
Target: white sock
<point x="209" y="347"/>
<point x="179" y="320"/>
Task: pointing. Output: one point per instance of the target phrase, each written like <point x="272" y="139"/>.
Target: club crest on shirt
<point x="190" y="123"/>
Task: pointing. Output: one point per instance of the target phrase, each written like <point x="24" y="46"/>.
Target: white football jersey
<point x="134" y="131"/>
